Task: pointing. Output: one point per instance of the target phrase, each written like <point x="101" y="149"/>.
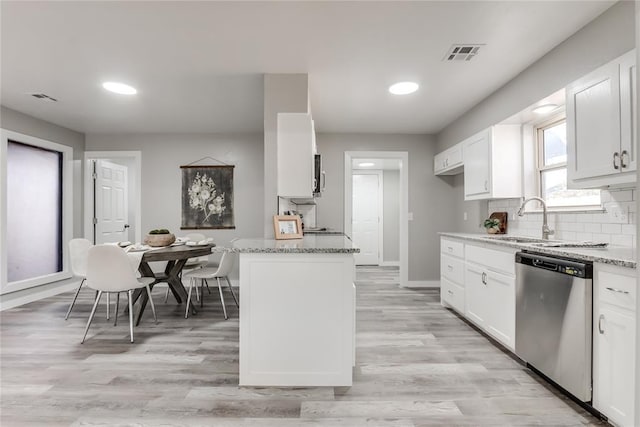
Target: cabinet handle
<point x="450" y="267"/>
<point x="486" y="185"/>
<point x="600" y="319"/>
<point x="324" y="180"/>
<point x="620" y="291"/>
<point x="615" y="164"/>
<point x="450" y="292"/>
<point x="450" y="249"/>
<point x="622" y="156"/>
<point x="484" y="278"/>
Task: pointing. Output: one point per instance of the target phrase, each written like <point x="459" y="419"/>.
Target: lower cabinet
<point x="614" y="332"/>
<point x="490" y="302"/>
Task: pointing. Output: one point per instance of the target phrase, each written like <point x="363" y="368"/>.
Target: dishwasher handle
<point x="540" y="263"/>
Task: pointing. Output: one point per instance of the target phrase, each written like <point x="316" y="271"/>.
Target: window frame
<point x="67" y="210"/>
<point x="540" y="167"/>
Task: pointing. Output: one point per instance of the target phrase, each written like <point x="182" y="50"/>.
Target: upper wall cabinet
<point x="601" y="126"/>
<point x="448" y="162"/>
<point x="492" y="163"/>
<point x="296" y="148"/>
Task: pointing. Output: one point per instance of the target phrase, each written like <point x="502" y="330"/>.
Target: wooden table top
<point x="172" y="253"/>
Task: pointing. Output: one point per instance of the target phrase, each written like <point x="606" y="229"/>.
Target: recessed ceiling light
<point x="543" y="109"/>
<point x="366" y="164"/>
<point x="403" y="88"/>
<point x="119" y="88"/>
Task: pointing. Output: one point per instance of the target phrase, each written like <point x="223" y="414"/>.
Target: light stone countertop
<point x="310" y="244"/>
<point x="616" y="255"/>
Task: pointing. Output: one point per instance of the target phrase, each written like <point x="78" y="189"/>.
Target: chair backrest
<point x="195" y="237"/>
<point x="226" y="263"/>
<point x="78" y="253"/>
<point x="109" y="269"/>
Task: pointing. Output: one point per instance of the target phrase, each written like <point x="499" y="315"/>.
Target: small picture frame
<point x="287" y="227"/>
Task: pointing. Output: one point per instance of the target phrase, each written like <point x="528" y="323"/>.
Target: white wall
<point x="28" y="125"/>
<point x="605" y="38"/>
<point x="429" y="196"/>
<point x="391" y="215"/>
<point x="161" y="179"/>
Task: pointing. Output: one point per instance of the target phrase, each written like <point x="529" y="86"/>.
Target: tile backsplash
<point x="616" y="224"/>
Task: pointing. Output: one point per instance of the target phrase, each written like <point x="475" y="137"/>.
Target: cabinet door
<point x="593" y="124"/>
<point x="475" y="301"/>
<point x="501" y="319"/>
<point x="614" y="344"/>
<point x="439" y="162"/>
<point x="477" y="164"/>
<point x="628" y="112"/>
<point x="295" y="155"/>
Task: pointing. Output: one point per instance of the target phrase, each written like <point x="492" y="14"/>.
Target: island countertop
<point x="309" y="244"/>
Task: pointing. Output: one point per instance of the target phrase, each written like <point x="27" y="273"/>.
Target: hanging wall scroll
<point x="207" y="197"/>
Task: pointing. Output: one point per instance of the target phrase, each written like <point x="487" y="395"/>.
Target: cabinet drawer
<point x="452" y="268"/>
<point x="493" y="259"/>
<point x="452" y="247"/>
<point x="616" y="286"/>
<point x="452" y="295"/>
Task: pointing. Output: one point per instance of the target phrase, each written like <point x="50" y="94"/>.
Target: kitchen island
<point x="297" y="317"/>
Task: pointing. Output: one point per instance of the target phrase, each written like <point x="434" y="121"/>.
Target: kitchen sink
<point x="517" y="239"/>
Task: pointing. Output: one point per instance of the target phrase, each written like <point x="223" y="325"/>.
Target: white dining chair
<point x="203" y="274"/>
<point x="78" y="253"/>
<point x="109" y="270"/>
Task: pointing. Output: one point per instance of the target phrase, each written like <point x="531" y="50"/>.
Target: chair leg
<point x="202" y="282"/>
<point x="224" y="309"/>
<point x="207" y="284"/>
<point x="115" y="323"/>
<point x="233" y="294"/>
<point x="153" y="308"/>
<point x="166" y="294"/>
<point x="74" y="299"/>
<point x="197" y="293"/>
<point x="108" y="304"/>
<point x="186" y="312"/>
<point x="130" y="298"/>
<point x="93" y="312"/>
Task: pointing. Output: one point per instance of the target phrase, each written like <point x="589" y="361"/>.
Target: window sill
<point x="570" y="209"/>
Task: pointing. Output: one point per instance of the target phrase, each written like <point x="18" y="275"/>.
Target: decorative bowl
<point x="157" y="240"/>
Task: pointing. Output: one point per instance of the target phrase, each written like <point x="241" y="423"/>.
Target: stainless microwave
<point x="319" y="176"/>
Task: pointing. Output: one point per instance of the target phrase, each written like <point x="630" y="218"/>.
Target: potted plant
<point x="159" y="237"/>
<point x="492" y="225"/>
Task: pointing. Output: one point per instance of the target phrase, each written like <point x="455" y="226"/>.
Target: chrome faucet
<point x="546" y="231"/>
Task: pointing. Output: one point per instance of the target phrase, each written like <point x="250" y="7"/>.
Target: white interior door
<point x="111" y="202"/>
<point x="367" y="216"/>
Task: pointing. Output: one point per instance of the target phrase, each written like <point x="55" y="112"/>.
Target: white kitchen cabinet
<point x="492" y="163"/>
<point x="448" y="162"/>
<point x="614" y="343"/>
<point x="490" y="291"/>
<point x="295" y="154"/>
<point x="601" y="126"/>
<point x="452" y="292"/>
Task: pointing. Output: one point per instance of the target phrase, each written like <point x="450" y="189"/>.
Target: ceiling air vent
<point x="462" y="52"/>
<point x="43" y="96"/>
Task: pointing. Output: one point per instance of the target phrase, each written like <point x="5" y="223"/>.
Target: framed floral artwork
<point x="207" y="197"/>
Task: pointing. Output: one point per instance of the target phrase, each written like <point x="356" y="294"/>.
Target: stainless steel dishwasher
<point x="553" y="319"/>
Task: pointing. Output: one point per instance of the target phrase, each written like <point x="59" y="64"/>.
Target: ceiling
<point x="375" y="164"/>
<point x="198" y="66"/>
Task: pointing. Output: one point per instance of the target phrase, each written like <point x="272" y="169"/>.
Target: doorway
<point x="112" y="190"/>
<point x="367" y="221"/>
<point x="398" y="160"/>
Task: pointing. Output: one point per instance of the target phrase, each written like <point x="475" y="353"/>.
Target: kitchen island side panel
<point x="296" y="319"/>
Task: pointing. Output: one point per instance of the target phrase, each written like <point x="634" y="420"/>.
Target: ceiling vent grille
<point x="462" y="52"/>
<point x="44" y="97"/>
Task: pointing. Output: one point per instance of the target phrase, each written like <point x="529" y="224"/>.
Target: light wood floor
<point x="417" y="365"/>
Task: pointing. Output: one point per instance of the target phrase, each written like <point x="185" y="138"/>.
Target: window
<point x="551" y="139"/>
<point x="36" y="211"/>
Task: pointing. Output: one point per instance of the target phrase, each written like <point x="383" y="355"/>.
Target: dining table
<point x="176" y="257"/>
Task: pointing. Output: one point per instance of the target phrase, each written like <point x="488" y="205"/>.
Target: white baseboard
<point x="423" y="284"/>
<point x="26" y="296"/>
<point x="390" y="264"/>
